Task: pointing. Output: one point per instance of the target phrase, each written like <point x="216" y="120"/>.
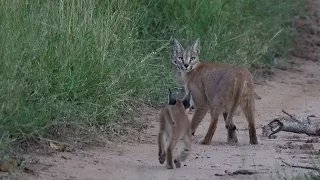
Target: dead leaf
<point x="57" y="147"/>
<point x="53" y="146"/>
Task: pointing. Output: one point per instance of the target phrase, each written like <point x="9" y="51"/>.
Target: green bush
<point x="92" y="61"/>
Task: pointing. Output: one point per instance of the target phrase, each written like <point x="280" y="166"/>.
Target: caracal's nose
<point x="186" y="65"/>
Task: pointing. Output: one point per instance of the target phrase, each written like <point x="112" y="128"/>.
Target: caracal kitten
<point x="175" y="125"/>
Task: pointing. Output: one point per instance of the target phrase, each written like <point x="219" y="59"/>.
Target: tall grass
<point x="92" y="61"/>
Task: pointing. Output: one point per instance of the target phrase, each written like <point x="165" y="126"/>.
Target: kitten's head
<point x="174" y="101"/>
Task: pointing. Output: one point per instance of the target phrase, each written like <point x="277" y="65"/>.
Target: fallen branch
<point x="292" y="124"/>
<point x="303" y="167"/>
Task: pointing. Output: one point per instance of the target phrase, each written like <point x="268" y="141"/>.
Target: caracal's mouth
<point x="188" y="69"/>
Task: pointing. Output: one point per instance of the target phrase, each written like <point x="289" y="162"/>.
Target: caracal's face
<point x="185" y="60"/>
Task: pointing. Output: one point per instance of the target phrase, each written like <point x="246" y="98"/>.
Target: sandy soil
<point x="295" y="89"/>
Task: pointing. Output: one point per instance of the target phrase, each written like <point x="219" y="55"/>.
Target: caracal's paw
<point x="232" y="135"/>
<point x="169" y="166"/>
<point x="232" y="140"/>
<point x="254" y="141"/>
<point x="184" y="154"/>
<point x="162" y="158"/>
<point x="205" y="142"/>
<point x="177" y="163"/>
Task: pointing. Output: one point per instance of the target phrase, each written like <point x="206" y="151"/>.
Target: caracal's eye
<point x="192" y="58"/>
<point x="175" y="62"/>
<point x="180" y="58"/>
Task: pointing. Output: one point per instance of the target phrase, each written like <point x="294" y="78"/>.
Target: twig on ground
<point x="54" y="141"/>
<point x="289" y="115"/>
<point x="303" y="167"/>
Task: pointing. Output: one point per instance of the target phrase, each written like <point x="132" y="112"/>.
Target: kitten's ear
<point x="186" y="101"/>
<point x="176" y="47"/>
<point x="196" y="46"/>
<point x="188" y="97"/>
<point x="171" y="99"/>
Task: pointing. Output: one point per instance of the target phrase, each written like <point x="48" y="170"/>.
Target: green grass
<point x="91" y="62"/>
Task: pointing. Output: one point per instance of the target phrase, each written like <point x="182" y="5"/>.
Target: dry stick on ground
<point x="292" y="124"/>
<point x="289" y="115"/>
<point x="304" y="167"/>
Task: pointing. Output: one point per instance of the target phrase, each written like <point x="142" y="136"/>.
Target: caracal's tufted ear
<point x="171" y="99"/>
<point x="196" y="46"/>
<point x="176" y="47"/>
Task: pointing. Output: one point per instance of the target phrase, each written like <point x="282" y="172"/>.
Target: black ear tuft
<point x="171" y="100"/>
<point x="186" y="104"/>
<point x="186" y="101"/>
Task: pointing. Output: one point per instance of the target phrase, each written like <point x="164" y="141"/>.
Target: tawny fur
<point x="216" y="88"/>
<point x="175" y="125"/>
<point x="177" y="75"/>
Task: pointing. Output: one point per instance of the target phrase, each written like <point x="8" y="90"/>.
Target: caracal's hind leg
<point x="161" y="153"/>
<point x="161" y="147"/>
<point x="248" y="111"/>
<point x="215" y="112"/>
<point x="230" y="125"/>
<point x="170" y="150"/>
<point x="187" y="147"/>
<point x="177" y="162"/>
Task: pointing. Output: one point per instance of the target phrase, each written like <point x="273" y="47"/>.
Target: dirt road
<point x="296" y="90"/>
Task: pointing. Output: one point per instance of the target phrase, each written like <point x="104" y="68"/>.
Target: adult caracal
<point x="175" y="125"/>
<point x="216" y="88"/>
<point x="177" y="76"/>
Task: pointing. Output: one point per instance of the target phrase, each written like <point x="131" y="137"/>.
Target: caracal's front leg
<point x="200" y="112"/>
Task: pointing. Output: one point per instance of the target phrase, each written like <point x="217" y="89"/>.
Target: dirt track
<point x="296" y="89"/>
<point x="292" y="90"/>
